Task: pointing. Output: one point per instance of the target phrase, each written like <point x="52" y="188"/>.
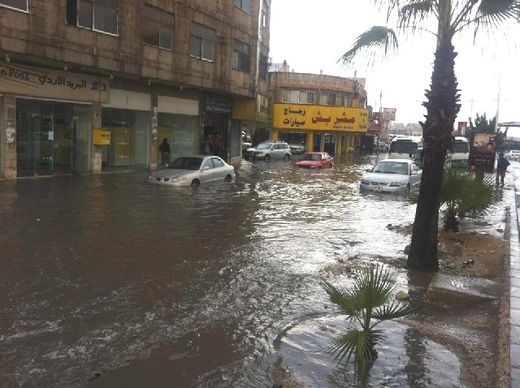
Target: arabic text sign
<point x="389" y="114"/>
<point x="323" y="118"/>
<point x="52" y="84"/>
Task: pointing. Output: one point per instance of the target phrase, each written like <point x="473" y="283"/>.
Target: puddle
<point x="406" y="358"/>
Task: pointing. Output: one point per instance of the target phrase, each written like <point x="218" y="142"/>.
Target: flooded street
<point x="110" y="281"/>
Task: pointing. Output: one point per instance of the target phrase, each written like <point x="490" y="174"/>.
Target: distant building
<point x="88" y="86"/>
<point x="325" y="113"/>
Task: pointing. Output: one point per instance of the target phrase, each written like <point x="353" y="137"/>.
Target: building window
<point x="158" y="27"/>
<point x="328" y="99"/>
<point x="241" y="56"/>
<point x="201" y="42"/>
<point x="244" y="5"/>
<point x="263" y="67"/>
<point x="265" y="14"/>
<point x="346" y="100"/>
<point x="21" y="5"/>
<point x="97" y="15"/>
<point x="310" y="97"/>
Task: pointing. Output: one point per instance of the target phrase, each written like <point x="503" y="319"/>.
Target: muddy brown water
<point x="110" y="281"/>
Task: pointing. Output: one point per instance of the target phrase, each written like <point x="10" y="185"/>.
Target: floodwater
<point x="110" y="281"/>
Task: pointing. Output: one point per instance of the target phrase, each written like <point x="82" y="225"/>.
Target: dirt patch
<point x="472" y="254"/>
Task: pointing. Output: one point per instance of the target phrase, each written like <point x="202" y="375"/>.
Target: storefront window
<point x="52" y="137"/>
<point x="129" y="141"/>
<point x="182" y="133"/>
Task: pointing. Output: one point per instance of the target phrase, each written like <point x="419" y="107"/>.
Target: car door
<point x="219" y="169"/>
<point x="206" y="170"/>
<point x="277" y="151"/>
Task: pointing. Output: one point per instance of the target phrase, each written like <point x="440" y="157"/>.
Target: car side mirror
<point x="369" y="169"/>
<point x="205" y="168"/>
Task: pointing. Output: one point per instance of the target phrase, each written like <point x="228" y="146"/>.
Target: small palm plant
<point x="368" y="303"/>
<point x="463" y="194"/>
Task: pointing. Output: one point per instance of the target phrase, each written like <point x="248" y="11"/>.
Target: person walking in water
<point x="502" y="164"/>
<point x="165" y="151"/>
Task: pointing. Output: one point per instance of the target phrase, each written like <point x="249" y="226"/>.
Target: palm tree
<point x="369" y="303"/>
<point x="442" y="100"/>
<point x="462" y="194"/>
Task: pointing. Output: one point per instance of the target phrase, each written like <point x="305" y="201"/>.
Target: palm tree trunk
<point x="442" y="106"/>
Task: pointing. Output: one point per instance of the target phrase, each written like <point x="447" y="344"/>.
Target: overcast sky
<point x="311" y="35"/>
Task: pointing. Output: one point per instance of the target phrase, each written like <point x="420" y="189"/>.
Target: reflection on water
<point x="405" y="357"/>
<point x="100" y="271"/>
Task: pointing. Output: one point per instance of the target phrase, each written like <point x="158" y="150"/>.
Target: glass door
<point x="62" y="139"/>
<point x="45" y="138"/>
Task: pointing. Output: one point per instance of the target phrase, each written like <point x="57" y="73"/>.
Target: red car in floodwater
<point x="316" y="160"/>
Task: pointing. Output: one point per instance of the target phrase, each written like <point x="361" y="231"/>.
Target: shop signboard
<point x="218" y="104"/>
<point x="102" y="137"/>
<point x="46" y="83"/>
<point x="389" y="114"/>
<point x="322" y="118"/>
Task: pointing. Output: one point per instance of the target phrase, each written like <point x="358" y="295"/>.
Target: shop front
<point x="52" y="137"/>
<point x="216" y="136"/>
<point x="127" y="118"/>
<point x="47" y="120"/>
<point x="179" y="124"/>
<point x="324" y="128"/>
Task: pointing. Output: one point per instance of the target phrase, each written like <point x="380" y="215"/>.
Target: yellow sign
<point x="102" y="137"/>
<point x="322" y="118"/>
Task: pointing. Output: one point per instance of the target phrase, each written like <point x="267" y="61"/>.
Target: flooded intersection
<point x="107" y="280"/>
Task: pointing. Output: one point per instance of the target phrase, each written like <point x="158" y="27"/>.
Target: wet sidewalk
<point x="514" y="278"/>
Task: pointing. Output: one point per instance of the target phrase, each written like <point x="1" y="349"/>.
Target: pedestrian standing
<point x="165" y="151"/>
<point x="502" y="164"/>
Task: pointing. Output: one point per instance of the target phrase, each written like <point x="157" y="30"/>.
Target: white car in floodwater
<point x="194" y="170"/>
<point x="392" y="175"/>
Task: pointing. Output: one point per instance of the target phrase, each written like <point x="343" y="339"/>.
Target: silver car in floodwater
<point x="393" y="175"/>
<point x="194" y="170"/>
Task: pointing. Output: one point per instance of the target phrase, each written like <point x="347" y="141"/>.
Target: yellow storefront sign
<point x="321" y="118"/>
<point x="102" y="137"/>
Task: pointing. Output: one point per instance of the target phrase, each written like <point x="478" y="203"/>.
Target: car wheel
<point x="195" y="182"/>
<point x="267" y="158"/>
<point x="287" y="157"/>
<point x="228" y="178"/>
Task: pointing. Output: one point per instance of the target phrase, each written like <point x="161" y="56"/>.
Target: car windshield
<point x="263" y="146"/>
<point x="403" y="147"/>
<point x="391" y="168"/>
<point x="460" y="146"/>
<point x="314" y="157"/>
<point x="185" y="164"/>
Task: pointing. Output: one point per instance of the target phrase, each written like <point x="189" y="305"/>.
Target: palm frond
<point x="374" y="40"/>
<point x="486" y="13"/>
<point x="342" y="299"/>
<point x="495" y="12"/>
<point x="391" y="311"/>
<point x="374" y="288"/>
<point x="413" y="13"/>
<point x="357" y="343"/>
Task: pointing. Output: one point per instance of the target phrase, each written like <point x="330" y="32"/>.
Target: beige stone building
<point x="316" y="111"/>
<point x="93" y="85"/>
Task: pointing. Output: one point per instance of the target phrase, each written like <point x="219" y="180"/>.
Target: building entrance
<point x="51" y="137"/>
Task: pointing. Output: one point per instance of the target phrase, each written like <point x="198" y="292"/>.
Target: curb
<point x="514" y="286"/>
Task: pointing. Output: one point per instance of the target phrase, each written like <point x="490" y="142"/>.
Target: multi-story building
<point x="93" y="85"/>
<point x="325" y="113"/>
